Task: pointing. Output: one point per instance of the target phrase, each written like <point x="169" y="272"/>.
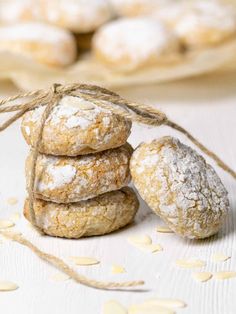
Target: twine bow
<point x="107" y="100"/>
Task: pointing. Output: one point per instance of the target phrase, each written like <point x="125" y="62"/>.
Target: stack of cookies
<point x="82" y="171"/>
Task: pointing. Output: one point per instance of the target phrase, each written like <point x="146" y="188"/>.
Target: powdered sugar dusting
<point x="119" y="39"/>
<point x="59" y="176"/>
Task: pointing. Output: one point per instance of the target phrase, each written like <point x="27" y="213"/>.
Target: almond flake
<point x="12" y="201"/>
<point x="152" y="248"/>
<point x="167" y="303"/>
<point x="113" y="307"/>
<point x="221" y="275"/>
<point x="84" y="261"/>
<point x="202" y="276"/>
<point x="60" y="277"/>
<point x="164" y="229"/>
<point x="149" y="308"/>
<point x="15" y="217"/>
<point x="190" y="263"/>
<point x="8" y="286"/>
<point x="218" y="257"/>
<point x="140" y="239"/>
<point x="117" y="269"/>
<point x="6" y="224"/>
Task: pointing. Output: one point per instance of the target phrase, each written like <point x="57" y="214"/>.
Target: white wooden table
<point x="207" y="107"/>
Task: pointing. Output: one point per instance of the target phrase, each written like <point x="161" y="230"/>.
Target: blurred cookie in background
<point x="47" y="44"/>
<point x="131" y="43"/>
<point x="79" y="16"/>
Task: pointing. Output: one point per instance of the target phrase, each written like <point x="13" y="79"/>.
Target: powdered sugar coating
<point x="206" y="23"/>
<point x="75" y="127"/>
<point x="118" y="44"/>
<point x="44" y="43"/>
<point x="180" y="187"/>
<point x="100" y="215"/>
<point x="72" y="179"/>
<point x="77" y="15"/>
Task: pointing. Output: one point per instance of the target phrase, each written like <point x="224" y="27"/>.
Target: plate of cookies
<point x="114" y="42"/>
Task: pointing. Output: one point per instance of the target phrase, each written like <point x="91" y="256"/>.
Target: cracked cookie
<point x="76" y="127"/>
<point x="72" y="179"/>
<point x="180" y="187"/>
<point x="100" y="215"/>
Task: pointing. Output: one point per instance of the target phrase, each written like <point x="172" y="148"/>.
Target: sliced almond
<point x="6" y="224"/>
<point x="167" y="303"/>
<point x="8" y="286"/>
<point x="15" y="217"/>
<point x="152" y="248"/>
<point x="221" y="275"/>
<point x="60" y="277"/>
<point x="12" y="201"/>
<point x="202" y="276"/>
<point x="190" y="263"/>
<point x="148" y="308"/>
<point x="140" y="239"/>
<point x="117" y="269"/>
<point x="164" y="229"/>
<point x="113" y="307"/>
<point x="84" y="261"/>
<point x="219" y="257"/>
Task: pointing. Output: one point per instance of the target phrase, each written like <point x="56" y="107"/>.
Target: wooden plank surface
<point x="207" y="107"/>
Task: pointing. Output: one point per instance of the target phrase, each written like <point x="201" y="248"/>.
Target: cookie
<point x="76" y="127"/>
<point x="72" y="179"/>
<point x="180" y="187"/>
<point x="100" y="215"/>
<point x="200" y="24"/>
<point x="118" y="46"/>
<point x="43" y="43"/>
<point x="79" y="16"/>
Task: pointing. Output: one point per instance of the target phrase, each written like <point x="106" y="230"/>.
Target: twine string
<point x="62" y="266"/>
<point x="107" y="100"/>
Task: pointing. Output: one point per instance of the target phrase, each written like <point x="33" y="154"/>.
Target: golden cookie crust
<point x="100" y="215"/>
<point x="180" y="187"/>
<point x="72" y="179"/>
<point x="76" y="127"/>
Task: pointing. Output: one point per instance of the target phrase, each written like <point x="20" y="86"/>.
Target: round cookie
<point x="79" y="16"/>
<point x="43" y="43"/>
<point x="100" y="215"/>
<point x="76" y="127"/>
<point x="117" y="44"/>
<point x="72" y="179"/>
<point x="205" y="23"/>
<point x="180" y="187"/>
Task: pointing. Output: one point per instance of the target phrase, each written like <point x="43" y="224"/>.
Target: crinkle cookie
<point x="51" y="45"/>
<point x="131" y="43"/>
<point x="72" y="179"/>
<point x="201" y="23"/>
<point x="79" y="16"/>
<point x="100" y="215"/>
<point x="76" y="127"/>
<point x="180" y="187"/>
